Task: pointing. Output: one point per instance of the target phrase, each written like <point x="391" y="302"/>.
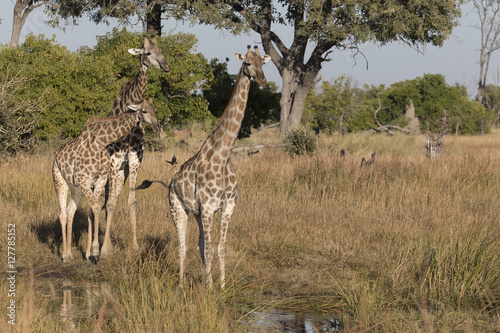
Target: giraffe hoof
<point x="106" y="252"/>
<point x="66" y="258"/>
<point x="94" y="259"/>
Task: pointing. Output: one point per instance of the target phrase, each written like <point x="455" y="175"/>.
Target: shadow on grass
<point x="155" y="247"/>
<point x="49" y="232"/>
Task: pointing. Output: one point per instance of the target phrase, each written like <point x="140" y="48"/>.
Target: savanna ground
<point x="405" y="245"/>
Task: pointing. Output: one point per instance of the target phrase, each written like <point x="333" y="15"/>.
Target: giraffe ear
<point x="265" y="58"/>
<point x="240" y="57"/>
<point x="134" y="107"/>
<point x="136" y="51"/>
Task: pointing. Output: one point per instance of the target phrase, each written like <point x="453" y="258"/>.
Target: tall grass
<point x="406" y="244"/>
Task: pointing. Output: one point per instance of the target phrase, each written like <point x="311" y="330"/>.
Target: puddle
<point x="74" y="304"/>
<point x="293" y="323"/>
<point x="77" y="305"/>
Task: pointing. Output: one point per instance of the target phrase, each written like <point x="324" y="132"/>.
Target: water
<point x="78" y="304"/>
<point x="280" y="321"/>
<point x="74" y="304"/>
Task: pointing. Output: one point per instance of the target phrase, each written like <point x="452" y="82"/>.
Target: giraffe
<point x="82" y="166"/>
<point x="127" y="153"/>
<point x="206" y="182"/>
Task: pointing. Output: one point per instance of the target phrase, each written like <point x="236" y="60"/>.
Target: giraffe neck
<point x="108" y="130"/>
<point x="225" y="133"/>
<point x="131" y="92"/>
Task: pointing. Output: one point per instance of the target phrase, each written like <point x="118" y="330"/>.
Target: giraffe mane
<point x="102" y="119"/>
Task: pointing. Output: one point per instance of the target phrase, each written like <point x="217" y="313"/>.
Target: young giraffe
<point x="127" y="153"/>
<point x="82" y="165"/>
<point x="206" y="182"/>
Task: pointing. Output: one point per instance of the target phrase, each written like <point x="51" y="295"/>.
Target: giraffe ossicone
<point x="81" y="167"/>
<point x="206" y="183"/>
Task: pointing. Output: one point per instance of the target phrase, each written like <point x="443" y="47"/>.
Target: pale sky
<point x="457" y="60"/>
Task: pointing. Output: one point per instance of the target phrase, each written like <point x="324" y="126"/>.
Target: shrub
<point x="18" y="117"/>
<point x="300" y="141"/>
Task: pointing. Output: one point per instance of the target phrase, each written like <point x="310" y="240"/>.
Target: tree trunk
<point x="153" y="20"/>
<point x="293" y="98"/>
<point x="21" y="12"/>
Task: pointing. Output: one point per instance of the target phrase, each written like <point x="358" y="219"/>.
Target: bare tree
<point x="22" y="9"/>
<point x="489" y="18"/>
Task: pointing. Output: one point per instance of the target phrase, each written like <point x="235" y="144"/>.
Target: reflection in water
<point x="75" y="304"/>
<point x="81" y="305"/>
<point x="296" y="323"/>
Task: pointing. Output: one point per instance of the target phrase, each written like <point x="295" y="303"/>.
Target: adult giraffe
<point x="127" y="153"/>
<point x="82" y="166"/>
<point x="206" y="182"/>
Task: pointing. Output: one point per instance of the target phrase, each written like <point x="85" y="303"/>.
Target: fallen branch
<point x="266" y="127"/>
<point x="256" y="147"/>
<point x="387" y="128"/>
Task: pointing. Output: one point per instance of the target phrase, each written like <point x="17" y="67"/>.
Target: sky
<point x="457" y="60"/>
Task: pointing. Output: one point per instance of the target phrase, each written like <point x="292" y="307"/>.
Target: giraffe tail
<point x="147" y="183"/>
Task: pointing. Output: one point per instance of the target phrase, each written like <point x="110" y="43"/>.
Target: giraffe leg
<point x="180" y="218"/>
<point x="208" y="251"/>
<point x="96" y="210"/>
<point x="107" y="246"/>
<point x="62" y="197"/>
<point x="134" y="166"/>
<point x="76" y="196"/>
<point x="90" y="221"/>
<point x="227" y="212"/>
<point x="92" y="253"/>
<point x="116" y="181"/>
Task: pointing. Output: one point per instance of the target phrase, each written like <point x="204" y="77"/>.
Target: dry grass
<point x="407" y="244"/>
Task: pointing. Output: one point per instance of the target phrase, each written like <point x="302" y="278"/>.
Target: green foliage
<point x="343" y="102"/>
<point x="72" y="87"/>
<point x="300" y="141"/>
<point x="69" y="87"/>
<point x="18" y="117"/>
<point x="263" y="102"/>
<point x="173" y="92"/>
<point x="491" y="101"/>
<point x="339" y="106"/>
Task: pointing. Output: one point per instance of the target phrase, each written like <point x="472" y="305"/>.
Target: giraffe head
<point x="252" y="64"/>
<point x="151" y="55"/>
<point x="147" y="113"/>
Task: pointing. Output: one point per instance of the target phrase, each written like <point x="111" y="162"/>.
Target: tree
<point x="22" y="9"/>
<point x="489" y="18"/>
<point x="324" y="25"/>
<point x="337" y="25"/>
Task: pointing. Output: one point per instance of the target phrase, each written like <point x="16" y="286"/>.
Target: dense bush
<point x="18" y="117"/>
<point x="300" y="141"/>
<point x="69" y="87"/>
<point x="344" y="106"/>
<point x="72" y="87"/>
